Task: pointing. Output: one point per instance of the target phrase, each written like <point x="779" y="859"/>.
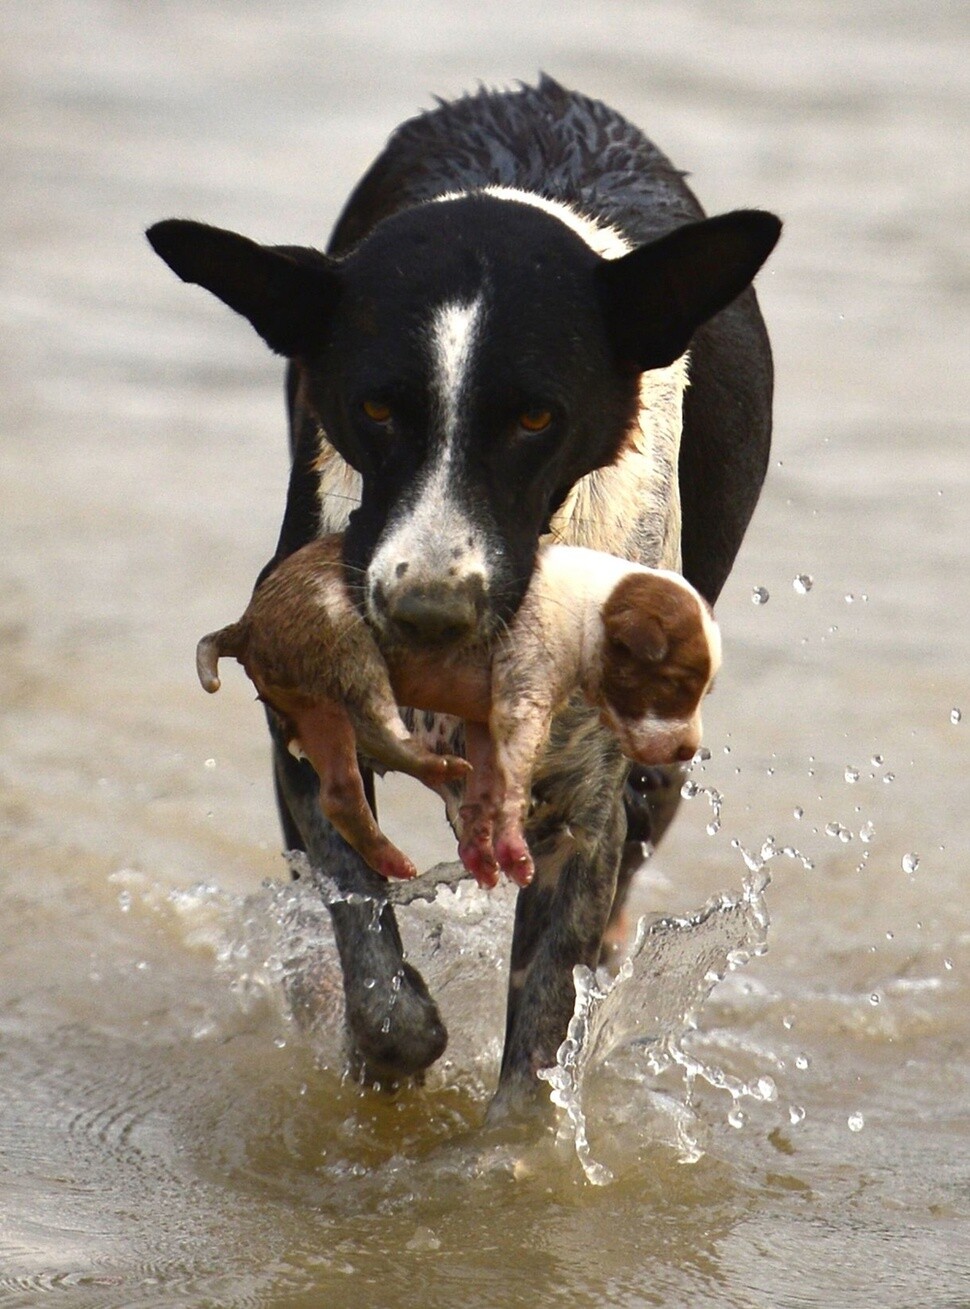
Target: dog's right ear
<point x="287" y="292"/>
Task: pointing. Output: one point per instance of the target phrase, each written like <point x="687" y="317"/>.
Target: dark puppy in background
<point x="524" y="327"/>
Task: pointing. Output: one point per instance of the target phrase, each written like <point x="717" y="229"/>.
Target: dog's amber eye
<point x="377" y="412"/>
<point x="535" y="420"/>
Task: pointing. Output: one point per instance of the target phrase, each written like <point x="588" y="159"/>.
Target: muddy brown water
<point x="167" y="1134"/>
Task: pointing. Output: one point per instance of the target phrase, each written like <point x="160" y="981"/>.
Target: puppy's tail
<point x="212" y="648"/>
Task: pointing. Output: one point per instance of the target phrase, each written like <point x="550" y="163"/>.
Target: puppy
<point x="638" y="643"/>
<point x="312" y="658"/>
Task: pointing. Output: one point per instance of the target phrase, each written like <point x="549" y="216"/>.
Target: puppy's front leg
<point x="394" y="1028"/>
<point x="476" y="816"/>
<point x="328" y="740"/>
<point x="519" y="730"/>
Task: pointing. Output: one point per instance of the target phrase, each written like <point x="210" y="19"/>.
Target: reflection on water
<point x="174" y="1124"/>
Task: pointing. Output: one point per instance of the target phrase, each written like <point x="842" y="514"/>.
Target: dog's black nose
<point x="437" y="614"/>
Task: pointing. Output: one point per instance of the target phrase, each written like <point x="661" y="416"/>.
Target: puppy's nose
<point x="436" y="614"/>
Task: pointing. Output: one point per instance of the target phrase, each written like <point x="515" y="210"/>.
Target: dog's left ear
<point x="657" y="296"/>
<point x="287" y="292"/>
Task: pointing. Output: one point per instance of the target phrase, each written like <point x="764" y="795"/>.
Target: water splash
<point x="691" y="790"/>
<point x="672" y="968"/>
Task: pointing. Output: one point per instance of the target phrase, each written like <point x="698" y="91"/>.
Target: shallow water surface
<point x="795" y="1133"/>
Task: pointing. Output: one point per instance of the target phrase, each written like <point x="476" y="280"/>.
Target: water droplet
<point x="689" y="790"/>
<point x="386" y="1026"/>
<point x="866" y="832"/>
<point x="759" y="595"/>
<point x="876" y="760"/>
<point x="788" y="1022"/>
<point x="737" y="1117"/>
<point x="910" y="862"/>
<point x="875" y="998"/>
<point x="803" y="583"/>
<point x="890" y="936"/>
<point x="701" y="755"/>
<point x="369" y="983"/>
<point x="802" y="1061"/>
<point x="955" y="716"/>
<point x="850" y="599"/>
<point x="948" y="965"/>
<point x="889" y="777"/>
<point x="856" y="1122"/>
<point x="796" y="1114"/>
<point x="851" y="774"/>
<point x="798" y="811"/>
<point x="210" y="763"/>
<point x="124" y="901"/>
<point x="280" y="1042"/>
<point x="765" y="1089"/>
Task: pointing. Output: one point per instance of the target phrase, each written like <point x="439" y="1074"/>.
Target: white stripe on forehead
<point x="455" y="330"/>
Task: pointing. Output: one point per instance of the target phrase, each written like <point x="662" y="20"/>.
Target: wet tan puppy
<point x="313" y="659"/>
<point x="639" y="643"/>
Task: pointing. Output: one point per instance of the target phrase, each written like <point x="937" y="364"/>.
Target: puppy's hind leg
<point x="327" y="739"/>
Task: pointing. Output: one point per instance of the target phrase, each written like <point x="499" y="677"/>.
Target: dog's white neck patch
<point x="454" y="333"/>
<point x="605" y="240"/>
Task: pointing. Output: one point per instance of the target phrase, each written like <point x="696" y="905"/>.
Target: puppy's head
<point x="661" y="650"/>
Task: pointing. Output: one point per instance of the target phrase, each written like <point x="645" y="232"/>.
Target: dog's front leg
<point x="393" y="1024"/>
<point x="577" y="837"/>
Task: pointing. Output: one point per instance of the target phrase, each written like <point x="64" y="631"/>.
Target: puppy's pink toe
<point x="397" y="865"/>
<point x="441" y="769"/>
<point x="480" y="863"/>
<point x="514" y="859"/>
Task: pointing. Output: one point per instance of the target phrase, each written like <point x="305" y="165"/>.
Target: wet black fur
<point x="566" y="333"/>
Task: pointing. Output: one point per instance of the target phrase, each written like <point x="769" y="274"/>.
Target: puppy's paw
<point x="439" y="769"/>
<point x="475" y="845"/>
<point x="514" y="858"/>
<point x="391" y="862"/>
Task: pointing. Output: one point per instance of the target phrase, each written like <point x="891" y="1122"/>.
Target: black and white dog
<point x="524" y="327"/>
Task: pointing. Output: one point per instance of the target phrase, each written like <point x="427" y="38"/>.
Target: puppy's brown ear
<point x="637" y="632"/>
<point x="287" y="292"/>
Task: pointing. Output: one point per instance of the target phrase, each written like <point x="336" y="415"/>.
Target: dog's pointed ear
<point x="657" y="296"/>
<point x="287" y="293"/>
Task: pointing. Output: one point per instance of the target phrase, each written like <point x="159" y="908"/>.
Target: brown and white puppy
<point x="639" y="644"/>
